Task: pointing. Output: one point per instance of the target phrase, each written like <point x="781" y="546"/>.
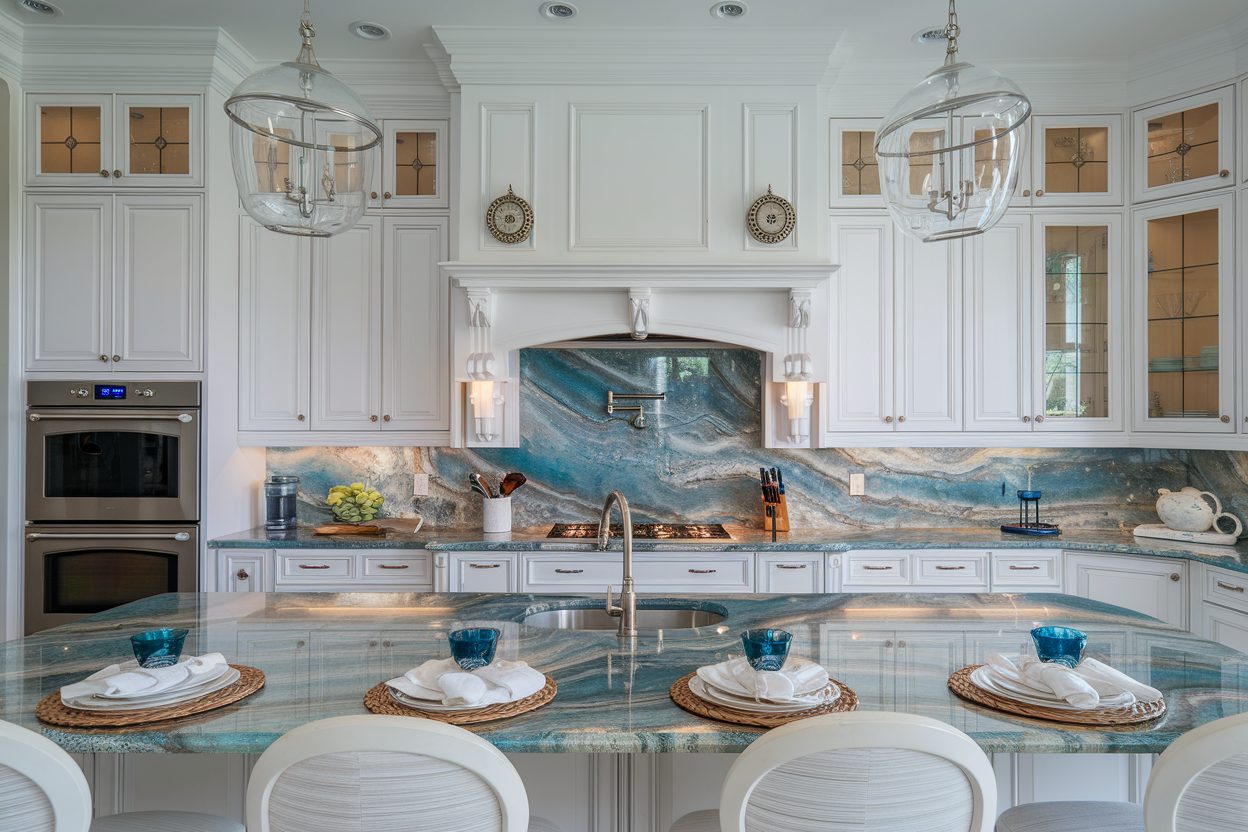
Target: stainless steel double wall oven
<point x="112" y="495"/>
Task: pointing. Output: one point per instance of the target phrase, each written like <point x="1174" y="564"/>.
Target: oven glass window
<point x="116" y="464"/>
<point x="95" y="580"/>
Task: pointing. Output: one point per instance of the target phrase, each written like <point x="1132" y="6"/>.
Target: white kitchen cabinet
<point x="799" y="574"/>
<point x="412" y="165"/>
<point x="920" y="570"/>
<point x="1027" y="570"/>
<point x="274" y="330"/>
<point x="668" y="572"/>
<point x="244" y="571"/>
<point x="854" y="180"/>
<point x="928" y="335"/>
<point x="346" y="329"/>
<point x="482" y="572"/>
<point x="832" y="573"/>
<point x="1153" y="586"/>
<point x="1185" y="145"/>
<point x="1225" y="626"/>
<point x="114" y="283"/>
<point x="1077" y="161"/>
<point x="896" y="659"/>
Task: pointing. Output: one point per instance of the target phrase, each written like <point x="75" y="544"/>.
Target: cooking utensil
<point x="478" y="485"/>
<point x="511" y="482"/>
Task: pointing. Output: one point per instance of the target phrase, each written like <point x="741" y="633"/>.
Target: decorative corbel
<point x="639" y="313"/>
<point x="480" y="356"/>
<point x="797" y="363"/>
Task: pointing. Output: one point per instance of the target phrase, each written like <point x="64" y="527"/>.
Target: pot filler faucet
<point x="627" y="610"/>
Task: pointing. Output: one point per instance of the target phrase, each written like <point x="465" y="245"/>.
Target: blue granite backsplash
<point x="699" y="460"/>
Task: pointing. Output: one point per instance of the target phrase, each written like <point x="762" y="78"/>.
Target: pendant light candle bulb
<point x="797" y="398"/>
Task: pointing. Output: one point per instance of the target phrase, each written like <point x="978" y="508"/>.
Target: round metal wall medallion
<point x="771" y="219"/>
<point x="509" y="218"/>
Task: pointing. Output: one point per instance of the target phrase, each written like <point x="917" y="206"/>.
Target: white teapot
<point x="1189" y="510"/>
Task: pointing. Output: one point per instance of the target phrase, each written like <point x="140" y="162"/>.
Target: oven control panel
<point x="112" y="393"/>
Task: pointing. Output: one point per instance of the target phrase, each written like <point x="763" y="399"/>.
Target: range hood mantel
<point x="714" y="276"/>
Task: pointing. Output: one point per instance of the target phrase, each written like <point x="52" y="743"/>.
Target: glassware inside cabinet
<point x="1076" y="321"/>
<point x="1183" y="145"/>
<point x="1076" y="160"/>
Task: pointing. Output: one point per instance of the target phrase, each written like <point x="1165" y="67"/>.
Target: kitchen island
<point x="321" y="652"/>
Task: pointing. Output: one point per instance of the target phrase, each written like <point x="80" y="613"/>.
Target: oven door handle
<point x="144" y="417"/>
<point x="179" y="536"/>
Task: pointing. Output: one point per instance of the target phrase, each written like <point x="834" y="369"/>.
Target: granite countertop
<point x="754" y="540"/>
<point x="322" y="651"/>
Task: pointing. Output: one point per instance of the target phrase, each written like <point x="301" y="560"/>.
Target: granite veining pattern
<point x="321" y="652"/>
<point x="699" y="460"/>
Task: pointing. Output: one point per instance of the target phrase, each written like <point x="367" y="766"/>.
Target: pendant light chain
<point x="952" y="30"/>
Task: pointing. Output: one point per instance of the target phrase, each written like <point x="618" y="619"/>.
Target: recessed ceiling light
<point x="39" y="7"/>
<point x="368" y="30"/>
<point x="930" y="34"/>
<point x="730" y="10"/>
<point x="558" y="11"/>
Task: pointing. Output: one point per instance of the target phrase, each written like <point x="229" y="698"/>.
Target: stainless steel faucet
<point x="627" y="610"/>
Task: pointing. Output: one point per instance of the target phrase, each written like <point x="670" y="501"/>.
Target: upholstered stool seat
<point x="541" y="825"/>
<point x="704" y="821"/>
<point x="164" y="822"/>
<point x="1072" y="816"/>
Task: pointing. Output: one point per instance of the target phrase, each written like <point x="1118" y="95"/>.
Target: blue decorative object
<point x="1059" y="645"/>
<point x="1027" y="500"/>
<point x="474" y="648"/>
<point x="766" y="649"/>
<point x="158" y="648"/>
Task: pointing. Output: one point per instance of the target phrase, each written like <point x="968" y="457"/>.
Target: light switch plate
<point x="857" y="485"/>
<point x="420" y="485"/>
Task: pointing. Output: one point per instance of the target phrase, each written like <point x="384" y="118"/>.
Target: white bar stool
<point x="863" y="771"/>
<point x="372" y="773"/>
<point x="43" y="790"/>
<point x="1200" y="784"/>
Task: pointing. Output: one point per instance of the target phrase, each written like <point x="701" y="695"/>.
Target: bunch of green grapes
<point x="354" y="503"/>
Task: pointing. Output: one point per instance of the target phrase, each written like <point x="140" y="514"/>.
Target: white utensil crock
<point x="496" y="515"/>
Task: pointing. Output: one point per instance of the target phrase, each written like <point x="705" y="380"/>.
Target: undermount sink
<point x="649" y="619"/>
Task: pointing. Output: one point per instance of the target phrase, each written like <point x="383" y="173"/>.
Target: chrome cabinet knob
<point x="1225" y="419"/>
<point x="116" y="357"/>
<point x="104" y="358"/>
<point x="1224" y="173"/>
<point x="1040" y="418"/>
<point x="888" y="642"/>
<point x="1039" y="192"/>
<point x="1174" y="576"/>
<point x="1026" y="418"/>
<point x="300" y="417"/>
<point x="386" y="418"/>
<point x="372" y="418"/>
<point x="373" y="195"/>
<point x="386" y="195"/>
<point x="901" y="418"/>
<point x="104" y="173"/>
<point x="1027" y="192"/>
<point x="888" y="420"/>
<point x="117" y="174"/>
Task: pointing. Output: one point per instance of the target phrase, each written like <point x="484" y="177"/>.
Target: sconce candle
<point x="484" y="396"/>
<point x="797" y="398"/>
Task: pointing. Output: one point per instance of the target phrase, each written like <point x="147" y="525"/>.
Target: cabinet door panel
<point x="69" y="290"/>
<point x="159" y="140"/>
<point x="929" y="335"/>
<point x="855" y="175"/>
<point x="998" y="315"/>
<point x="415" y="341"/>
<point x="274" y="324"/>
<point x="1077" y="160"/>
<point x="1225" y="627"/>
<point x="1186" y="145"/>
<point x="487" y="573"/>
<point x="415" y="164"/>
<point x="243" y="573"/>
<point x="861" y="390"/>
<point x="924" y="655"/>
<point x="865" y="660"/>
<point x="1153" y="586"/>
<point x="159" y="283"/>
<point x="346" y="327"/>
<point x="795" y="575"/>
<point x="69" y="140"/>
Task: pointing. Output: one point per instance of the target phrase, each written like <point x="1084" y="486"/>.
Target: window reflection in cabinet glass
<point x="69" y="139"/>
<point x="1076" y="321"/>
<point x="160" y="140"/>
<point x="860" y="174"/>
<point x="1183" y="146"/>
<point x="1076" y="160"/>
<point x="1183" y="308"/>
<point x="415" y="163"/>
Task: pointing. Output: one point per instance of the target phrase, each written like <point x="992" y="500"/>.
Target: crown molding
<point x="542" y="55"/>
<point x="604" y="275"/>
<point x="1216" y="55"/>
<point x="10" y="47"/>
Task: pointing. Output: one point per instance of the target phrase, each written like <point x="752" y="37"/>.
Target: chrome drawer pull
<point x="393" y="565"/>
<point x="702" y="571"/>
<point x="178" y="536"/>
<point x="1014" y="568"/>
<point x="569" y="571"/>
<point x="314" y="566"/>
<point x="877" y="568"/>
<point x="1231" y="587"/>
<point x="790" y="566"/>
<point x="485" y="565"/>
<point x="944" y="568"/>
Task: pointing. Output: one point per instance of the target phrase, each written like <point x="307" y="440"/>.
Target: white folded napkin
<point x="736" y="676"/>
<point x="128" y="679"/>
<point x="1082" y="687"/>
<point x="500" y="681"/>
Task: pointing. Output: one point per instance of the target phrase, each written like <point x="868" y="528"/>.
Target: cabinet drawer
<point x="719" y="574"/>
<point x="572" y="573"/>
<point x="1230" y="589"/>
<point x="314" y="567"/>
<point x="403" y="568"/>
<point x="483" y="573"/>
<point x="955" y="567"/>
<point x="877" y="568"/>
<point x="1027" y="570"/>
<point x="789" y="575"/>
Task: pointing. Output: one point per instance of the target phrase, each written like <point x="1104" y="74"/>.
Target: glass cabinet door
<point x="158" y="138"/>
<point x="1186" y="340"/>
<point x="1186" y="145"/>
<point x="69" y="140"/>
<point x="414" y="165"/>
<point x="1077" y="160"/>
<point x="1079" y="345"/>
<point x="855" y="175"/>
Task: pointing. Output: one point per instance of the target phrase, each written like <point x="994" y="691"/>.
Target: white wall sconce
<point x="485" y="395"/>
<point x="797" y="398"/>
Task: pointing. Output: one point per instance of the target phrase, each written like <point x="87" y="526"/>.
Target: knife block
<point x="782" y="515"/>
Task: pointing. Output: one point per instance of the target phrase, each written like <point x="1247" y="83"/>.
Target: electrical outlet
<point x="857" y="485"/>
<point x="420" y="485"/>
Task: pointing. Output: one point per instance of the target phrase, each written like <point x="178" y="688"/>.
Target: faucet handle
<point x="612" y="609"/>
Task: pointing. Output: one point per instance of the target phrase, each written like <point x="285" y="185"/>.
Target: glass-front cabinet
<point x="412" y="166"/>
<point x="1184" y="313"/>
<point x="1077" y="285"/>
<point x="114" y="140"/>
<point x="1185" y="146"/>
<point x="1077" y="160"/>
<point x="855" y="175"/>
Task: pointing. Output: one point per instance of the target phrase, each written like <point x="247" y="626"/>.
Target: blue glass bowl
<point x="1059" y="645"/>
<point x="158" y="648"/>
<point x="766" y="649"/>
<point x="474" y="648"/>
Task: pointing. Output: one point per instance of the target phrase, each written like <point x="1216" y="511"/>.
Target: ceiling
<point x="992" y="29"/>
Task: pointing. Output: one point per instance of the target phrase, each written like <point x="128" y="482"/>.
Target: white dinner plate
<point x="1030" y="696"/>
<point x="199" y="682"/>
<point x="829" y="693"/>
<point x="715" y="696"/>
<point x="93" y="703"/>
<point x="435" y="707"/>
<point x="727" y="684"/>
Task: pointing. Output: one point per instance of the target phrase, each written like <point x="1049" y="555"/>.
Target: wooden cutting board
<point x="348" y="528"/>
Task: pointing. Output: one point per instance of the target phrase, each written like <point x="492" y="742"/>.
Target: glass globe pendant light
<point x="300" y="142"/>
<point x="950" y="152"/>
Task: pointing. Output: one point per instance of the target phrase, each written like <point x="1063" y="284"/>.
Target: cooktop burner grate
<point x="646" y="531"/>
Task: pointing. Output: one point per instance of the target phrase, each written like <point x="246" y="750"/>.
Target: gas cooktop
<point x="646" y="531"/>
